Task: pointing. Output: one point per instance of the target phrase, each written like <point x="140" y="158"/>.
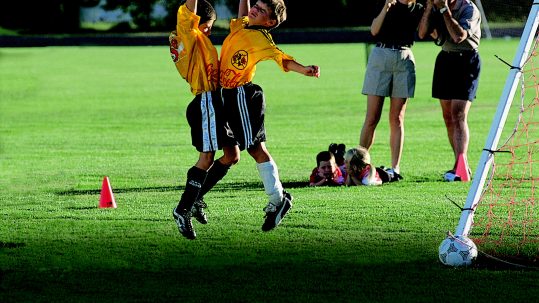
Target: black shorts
<point x="245" y="108"/>
<point x="456" y="75"/>
<point x="209" y="131"/>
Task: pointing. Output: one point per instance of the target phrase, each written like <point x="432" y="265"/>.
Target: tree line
<point x="63" y="16"/>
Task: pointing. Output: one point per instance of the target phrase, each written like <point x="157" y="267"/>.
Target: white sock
<point x="397" y="169"/>
<point x="270" y="178"/>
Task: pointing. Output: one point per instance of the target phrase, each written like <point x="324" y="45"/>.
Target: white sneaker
<point x="450" y="176"/>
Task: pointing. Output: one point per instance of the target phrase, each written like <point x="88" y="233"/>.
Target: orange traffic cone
<point x="107" y="197"/>
<point x="462" y="168"/>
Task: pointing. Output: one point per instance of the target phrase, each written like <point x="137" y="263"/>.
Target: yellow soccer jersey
<point x="194" y="55"/>
<point x="242" y="49"/>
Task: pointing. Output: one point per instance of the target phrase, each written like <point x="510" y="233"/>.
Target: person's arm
<point x="351" y="179"/>
<point x="192" y="5"/>
<point x="456" y="32"/>
<point x="379" y="20"/>
<point x="319" y="183"/>
<point x="424" y="24"/>
<point x="370" y="179"/>
<point x="311" y="70"/>
<point x="313" y="178"/>
<point x="243" y="9"/>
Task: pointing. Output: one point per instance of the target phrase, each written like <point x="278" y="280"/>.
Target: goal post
<point x="487" y="156"/>
<point x="484" y="21"/>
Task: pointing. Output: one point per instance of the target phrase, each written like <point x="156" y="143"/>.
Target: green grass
<point x="69" y="116"/>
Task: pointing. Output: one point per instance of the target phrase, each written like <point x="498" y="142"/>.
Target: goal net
<point x="501" y="214"/>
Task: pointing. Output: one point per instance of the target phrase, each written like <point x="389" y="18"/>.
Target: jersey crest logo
<point x="239" y="60"/>
<point x="175" y="48"/>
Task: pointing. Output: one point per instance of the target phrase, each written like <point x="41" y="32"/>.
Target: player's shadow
<point x="219" y="187"/>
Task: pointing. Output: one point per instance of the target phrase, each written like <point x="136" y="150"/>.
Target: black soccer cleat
<point x="275" y="214"/>
<point x="198" y="211"/>
<point x="183" y="220"/>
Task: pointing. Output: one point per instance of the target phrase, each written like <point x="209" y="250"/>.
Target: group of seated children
<point x="338" y="166"/>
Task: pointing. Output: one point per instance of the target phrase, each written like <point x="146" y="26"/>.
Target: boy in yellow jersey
<point x="248" y="43"/>
<point x="197" y="62"/>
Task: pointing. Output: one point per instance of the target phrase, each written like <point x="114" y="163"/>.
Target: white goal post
<point x="498" y="123"/>
<point x="484" y="21"/>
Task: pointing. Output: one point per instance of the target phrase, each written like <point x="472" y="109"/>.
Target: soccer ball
<point x="457" y="251"/>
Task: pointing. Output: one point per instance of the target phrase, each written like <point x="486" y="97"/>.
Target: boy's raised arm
<point x="243" y="9"/>
<point x="191" y="5"/>
<point x="311" y="70"/>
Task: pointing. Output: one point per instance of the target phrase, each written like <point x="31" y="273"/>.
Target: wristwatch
<point x="443" y="9"/>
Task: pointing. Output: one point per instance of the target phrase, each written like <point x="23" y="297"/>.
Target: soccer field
<point x="71" y="115"/>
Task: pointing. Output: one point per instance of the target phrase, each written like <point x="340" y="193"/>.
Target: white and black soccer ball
<point x="457" y="251"/>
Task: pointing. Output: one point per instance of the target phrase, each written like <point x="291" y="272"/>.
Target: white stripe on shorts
<point x="209" y="131"/>
<point x="245" y="120"/>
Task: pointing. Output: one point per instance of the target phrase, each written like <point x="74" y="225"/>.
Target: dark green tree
<point x="308" y="13"/>
<point x="42" y="16"/>
<point x="140" y="11"/>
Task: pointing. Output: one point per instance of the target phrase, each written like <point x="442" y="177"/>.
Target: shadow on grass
<point x="10" y="245"/>
<point x="254" y="185"/>
<point x="505" y="262"/>
<point x="218" y="187"/>
<point x="308" y="280"/>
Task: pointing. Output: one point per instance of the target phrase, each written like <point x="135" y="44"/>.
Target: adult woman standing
<point x="391" y="72"/>
<point x="456" y="26"/>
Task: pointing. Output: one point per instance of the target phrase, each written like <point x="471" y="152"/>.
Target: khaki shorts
<point x="390" y="73"/>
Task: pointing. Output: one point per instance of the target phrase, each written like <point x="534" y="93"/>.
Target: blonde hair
<point x="358" y="157"/>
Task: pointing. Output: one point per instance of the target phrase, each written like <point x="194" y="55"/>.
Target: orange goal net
<point x="501" y="213"/>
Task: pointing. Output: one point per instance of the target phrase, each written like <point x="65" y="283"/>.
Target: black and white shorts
<point x="456" y="75"/>
<point x="209" y="131"/>
<point x="245" y="108"/>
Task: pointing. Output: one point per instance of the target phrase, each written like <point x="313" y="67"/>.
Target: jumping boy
<point x="248" y="43"/>
<point x="197" y="62"/>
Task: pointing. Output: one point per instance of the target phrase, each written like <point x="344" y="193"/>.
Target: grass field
<point x="70" y="116"/>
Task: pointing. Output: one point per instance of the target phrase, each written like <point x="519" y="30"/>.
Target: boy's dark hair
<point x="206" y="11"/>
<point x="278" y="10"/>
<point x="323" y="156"/>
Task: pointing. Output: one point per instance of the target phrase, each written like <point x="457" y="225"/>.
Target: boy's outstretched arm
<point x="311" y="70"/>
<point x="243" y="9"/>
<point x="191" y="5"/>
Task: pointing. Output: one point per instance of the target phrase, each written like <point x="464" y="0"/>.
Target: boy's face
<point x="205" y="28"/>
<point x="327" y="167"/>
<point x="260" y="14"/>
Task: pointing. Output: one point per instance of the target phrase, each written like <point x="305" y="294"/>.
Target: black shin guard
<point x="195" y="178"/>
<point x="217" y="172"/>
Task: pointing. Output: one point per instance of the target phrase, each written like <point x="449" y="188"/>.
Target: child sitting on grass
<point x="327" y="172"/>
